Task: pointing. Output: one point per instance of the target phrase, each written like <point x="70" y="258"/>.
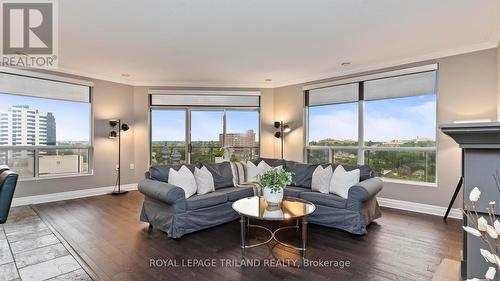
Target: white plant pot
<point x="272" y="198"/>
<point x="219" y="159"/>
<point x="273" y="212"/>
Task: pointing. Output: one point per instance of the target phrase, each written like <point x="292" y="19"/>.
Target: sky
<point x="385" y="120"/>
<point x="72" y="118"/>
<point x="205" y="125"/>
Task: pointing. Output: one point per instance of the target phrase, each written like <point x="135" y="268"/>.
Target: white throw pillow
<point x="204" y="180"/>
<point x="263" y="167"/>
<point x="278" y="168"/>
<point x="343" y="180"/>
<point x="321" y="179"/>
<point x="252" y="172"/>
<point x="183" y="179"/>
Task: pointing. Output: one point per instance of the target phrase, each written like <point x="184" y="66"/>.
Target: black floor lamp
<point x="283" y="128"/>
<point x="114" y="134"/>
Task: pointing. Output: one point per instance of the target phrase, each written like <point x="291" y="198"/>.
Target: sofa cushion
<point x="302" y="173"/>
<point x="184" y="179"/>
<point x="329" y="200"/>
<point x="294" y="191"/>
<point x="222" y="174"/>
<point x="160" y="172"/>
<point x="365" y="171"/>
<point x="236" y="193"/>
<point x="206" y="200"/>
<point x="342" y="181"/>
<point x="271" y="162"/>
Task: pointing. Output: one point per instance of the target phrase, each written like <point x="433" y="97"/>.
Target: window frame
<point x="361" y="147"/>
<point x="188" y="110"/>
<point x="36" y="148"/>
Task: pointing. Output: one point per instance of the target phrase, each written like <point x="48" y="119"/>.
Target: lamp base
<point x="119" y="192"/>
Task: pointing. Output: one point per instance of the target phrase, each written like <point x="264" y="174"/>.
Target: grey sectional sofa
<point x="166" y="208"/>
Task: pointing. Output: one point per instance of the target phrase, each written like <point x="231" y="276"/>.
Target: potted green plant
<point x="218" y="155"/>
<point x="273" y="183"/>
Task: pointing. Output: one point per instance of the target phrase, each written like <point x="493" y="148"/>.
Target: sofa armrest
<point x="364" y="191"/>
<point x="161" y="191"/>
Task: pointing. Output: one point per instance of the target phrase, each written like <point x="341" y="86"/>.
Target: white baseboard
<point x="384" y="202"/>
<point x="44" y="198"/>
<point x="419" y="208"/>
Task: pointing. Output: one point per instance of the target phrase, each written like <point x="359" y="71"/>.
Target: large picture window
<point x="185" y="131"/>
<point x="45" y="127"/>
<point x="388" y="123"/>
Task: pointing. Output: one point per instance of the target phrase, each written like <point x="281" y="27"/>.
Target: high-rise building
<point x="246" y="139"/>
<point x="22" y="125"/>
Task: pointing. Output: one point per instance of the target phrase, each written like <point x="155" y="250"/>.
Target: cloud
<point x="341" y="125"/>
<point x="384" y="121"/>
<point x="397" y="122"/>
<point x="168" y="127"/>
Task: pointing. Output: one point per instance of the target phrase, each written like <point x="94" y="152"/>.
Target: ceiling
<point x="241" y="43"/>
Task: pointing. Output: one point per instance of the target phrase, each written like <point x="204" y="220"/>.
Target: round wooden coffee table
<point x="290" y="209"/>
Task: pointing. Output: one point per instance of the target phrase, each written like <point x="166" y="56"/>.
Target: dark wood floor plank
<point x="106" y="232"/>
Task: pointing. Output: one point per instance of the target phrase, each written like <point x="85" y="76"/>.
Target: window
<point x="168" y="136"/>
<point x="212" y="120"/>
<point x="388" y="123"/>
<point x="45" y="130"/>
<point x="242" y="135"/>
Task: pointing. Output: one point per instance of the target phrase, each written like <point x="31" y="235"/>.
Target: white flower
<point x="490" y="274"/>
<point x="496" y="224"/>
<point x="491" y="231"/>
<point x="489" y="257"/>
<point x="482" y="224"/>
<point x="474" y="194"/>
<point x="472" y="231"/>
<point x="492" y="202"/>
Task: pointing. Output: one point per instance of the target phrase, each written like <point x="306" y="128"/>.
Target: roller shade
<point x="41" y="88"/>
<point x="401" y="86"/>
<point x="335" y="94"/>
<point x="193" y="98"/>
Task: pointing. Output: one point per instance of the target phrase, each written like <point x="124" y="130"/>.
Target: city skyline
<point x="169" y="125"/>
<point x="69" y="128"/>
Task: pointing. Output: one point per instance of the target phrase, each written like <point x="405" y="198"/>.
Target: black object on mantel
<point x="480" y="144"/>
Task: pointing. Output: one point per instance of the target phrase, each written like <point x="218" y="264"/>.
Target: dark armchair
<point x="8" y="182"/>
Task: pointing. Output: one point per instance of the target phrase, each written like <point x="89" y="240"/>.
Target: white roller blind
<point x="41" y="88"/>
<point x="206" y="99"/>
<point x="335" y="94"/>
<point x="401" y="86"/>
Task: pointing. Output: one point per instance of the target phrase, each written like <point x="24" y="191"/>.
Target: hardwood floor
<point x="105" y="231"/>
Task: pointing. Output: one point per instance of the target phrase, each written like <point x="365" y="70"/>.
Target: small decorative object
<point x="273" y="211"/>
<point x="273" y="182"/>
<point x="218" y="155"/>
<point x="488" y="230"/>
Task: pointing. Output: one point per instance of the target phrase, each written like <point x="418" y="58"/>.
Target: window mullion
<point x="36" y="162"/>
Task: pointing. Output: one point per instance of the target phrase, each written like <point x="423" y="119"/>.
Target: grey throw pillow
<point x="222" y="173"/>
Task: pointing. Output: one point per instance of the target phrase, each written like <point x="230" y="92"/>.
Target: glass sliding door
<point x="241" y="141"/>
<point x="168" y="136"/>
<point x="190" y="135"/>
<point x="207" y="134"/>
